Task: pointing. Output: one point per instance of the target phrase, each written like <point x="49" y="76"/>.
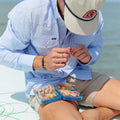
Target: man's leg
<point x="106" y="99"/>
<point x="109" y="95"/>
<point x="68" y="110"/>
<point x="100" y="113"/>
<point x="59" y="110"/>
<point x="63" y="110"/>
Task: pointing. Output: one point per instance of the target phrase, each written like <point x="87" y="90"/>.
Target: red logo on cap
<point x="90" y="14"/>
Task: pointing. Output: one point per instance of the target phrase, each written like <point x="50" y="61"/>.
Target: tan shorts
<point x="88" y="89"/>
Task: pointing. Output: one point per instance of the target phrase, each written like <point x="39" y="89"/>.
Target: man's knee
<point x="59" y="110"/>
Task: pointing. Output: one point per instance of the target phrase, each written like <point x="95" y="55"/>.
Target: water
<point x="110" y="58"/>
<point x="4" y="9"/>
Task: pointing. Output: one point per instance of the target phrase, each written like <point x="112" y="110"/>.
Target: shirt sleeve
<point x="15" y="40"/>
<point x="95" y="47"/>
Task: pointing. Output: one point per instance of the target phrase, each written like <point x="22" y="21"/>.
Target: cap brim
<point x="78" y="26"/>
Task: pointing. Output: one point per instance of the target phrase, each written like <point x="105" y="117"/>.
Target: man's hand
<point x="81" y="53"/>
<point x="57" y="58"/>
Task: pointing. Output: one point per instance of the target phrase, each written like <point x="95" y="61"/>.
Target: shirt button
<point x="45" y="45"/>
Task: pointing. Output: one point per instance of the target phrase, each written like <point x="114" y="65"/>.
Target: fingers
<point x="57" y="58"/>
<point x="87" y="58"/>
<point x="60" y="60"/>
<point x="62" y="50"/>
<point x="61" y="53"/>
<point x="84" y="58"/>
<point x="64" y="55"/>
<point x="81" y="53"/>
<point x="69" y="49"/>
<point x="59" y="65"/>
<point x="78" y="48"/>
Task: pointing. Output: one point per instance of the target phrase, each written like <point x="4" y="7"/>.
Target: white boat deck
<point x="13" y="103"/>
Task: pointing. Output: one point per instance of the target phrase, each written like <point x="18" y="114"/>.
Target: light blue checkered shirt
<point x="34" y="28"/>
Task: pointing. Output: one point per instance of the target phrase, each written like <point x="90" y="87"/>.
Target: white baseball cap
<point x="82" y="16"/>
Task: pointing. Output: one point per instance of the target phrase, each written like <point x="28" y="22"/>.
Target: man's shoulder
<point x="33" y="4"/>
<point x="27" y="6"/>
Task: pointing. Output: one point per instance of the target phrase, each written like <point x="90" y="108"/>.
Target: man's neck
<point x="60" y="5"/>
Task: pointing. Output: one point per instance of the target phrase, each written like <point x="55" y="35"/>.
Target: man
<point x="51" y="51"/>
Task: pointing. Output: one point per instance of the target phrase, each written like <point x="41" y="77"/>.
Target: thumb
<point x="69" y="50"/>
